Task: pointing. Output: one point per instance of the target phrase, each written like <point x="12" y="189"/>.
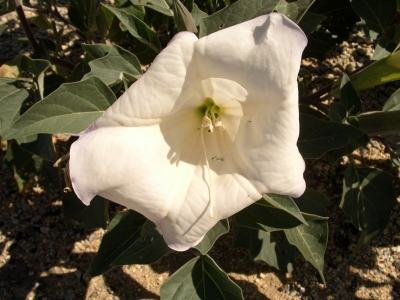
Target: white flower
<point x="209" y="128"/>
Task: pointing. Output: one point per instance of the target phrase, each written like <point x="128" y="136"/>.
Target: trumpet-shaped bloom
<point x="210" y="127"/>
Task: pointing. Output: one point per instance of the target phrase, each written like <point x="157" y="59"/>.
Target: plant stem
<point x="25" y="26"/>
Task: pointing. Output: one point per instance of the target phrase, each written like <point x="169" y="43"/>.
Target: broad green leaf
<point x="103" y="21"/>
<point x="124" y="229"/>
<point x="199" y="279"/>
<point x="12" y="97"/>
<point x="238" y="12"/>
<point x="273" y="212"/>
<point x="41" y="21"/>
<point x="198" y="15"/>
<point x="70" y="109"/>
<point x="393" y="103"/>
<point x="82" y="14"/>
<point x="212" y="235"/>
<point x="90" y="217"/>
<point x="349" y="97"/>
<point x="145" y="250"/>
<point x="311" y="241"/>
<point x="117" y="63"/>
<point x="318" y="137"/>
<point x="310" y="22"/>
<point x="136" y="10"/>
<point x="23" y="165"/>
<point x="41" y="145"/>
<point x="368" y="198"/>
<point x="183" y="19"/>
<point x="378" y="15"/>
<point x="388" y="43"/>
<point x="37" y="67"/>
<point x="137" y="28"/>
<point x="95" y="51"/>
<point x="360" y="142"/>
<point x="265" y="246"/>
<point x="381" y="71"/>
<point x="312" y="204"/>
<point x="2" y="28"/>
<point x="294" y="10"/>
<point x="380" y="122"/>
<point x="305" y="109"/>
<point x="158" y="5"/>
<point x="337" y="112"/>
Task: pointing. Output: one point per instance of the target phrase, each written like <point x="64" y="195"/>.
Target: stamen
<point x="62" y="158"/>
<point x="218" y="123"/>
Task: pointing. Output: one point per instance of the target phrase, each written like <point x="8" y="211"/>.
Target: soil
<point x="40" y="258"/>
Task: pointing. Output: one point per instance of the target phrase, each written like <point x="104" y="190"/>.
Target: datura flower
<point x="210" y="127"/>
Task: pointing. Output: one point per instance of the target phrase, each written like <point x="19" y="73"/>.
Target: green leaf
<point x="90" y="217"/>
<point x="393" y="103"/>
<point x="70" y="109"/>
<point x="305" y="109"/>
<point x="200" y="278"/>
<point x="2" y="28"/>
<point x="360" y="142"/>
<point x="380" y="122"/>
<point x="318" y="137"/>
<point x="237" y="12"/>
<point x="387" y="44"/>
<point x="294" y="10"/>
<point x="381" y="71"/>
<point x="37" y="67"/>
<point x="145" y="250"/>
<point x="158" y="5"/>
<point x="378" y="15"/>
<point x="198" y="15"/>
<point x="137" y="28"/>
<point x="273" y="212"/>
<point x="311" y="241"/>
<point x="312" y="204"/>
<point x="368" y="198"/>
<point x="337" y="112"/>
<point x="183" y="19"/>
<point x="265" y="246"/>
<point x="95" y="51"/>
<point x="23" y="165"/>
<point x="125" y="228"/>
<point x="117" y="63"/>
<point x="212" y="235"/>
<point x="82" y="14"/>
<point x="41" y="145"/>
<point x="349" y="97"/>
<point x="12" y="97"/>
<point x="310" y="22"/>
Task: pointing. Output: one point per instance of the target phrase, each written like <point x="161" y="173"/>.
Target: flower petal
<point x="159" y="91"/>
<point x="262" y="55"/>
